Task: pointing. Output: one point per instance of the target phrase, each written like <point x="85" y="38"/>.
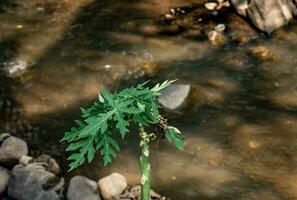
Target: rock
<point x="211" y="6"/>
<point x="50" y="163"/>
<point x="35" y="183"/>
<point x="88" y="189"/>
<point x="133" y="193"/>
<point x="11" y="150"/>
<point x="16" y="65"/>
<point x="111" y="186"/>
<point x="4" y="177"/>
<point x="266" y="15"/>
<point x="217" y="38"/>
<point x="25" y="160"/>
<point x="220" y="28"/>
<point x="262" y="53"/>
<point x="174" y="96"/>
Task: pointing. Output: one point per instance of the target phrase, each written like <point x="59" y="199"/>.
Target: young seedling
<point x="114" y="113"/>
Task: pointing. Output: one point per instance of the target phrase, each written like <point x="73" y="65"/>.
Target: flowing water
<point x="241" y="121"/>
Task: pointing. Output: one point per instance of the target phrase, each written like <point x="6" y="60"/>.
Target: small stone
<point x="211" y="6"/>
<point x="25" y="160"/>
<point x="51" y="163"/>
<point x="82" y="188"/>
<point x="19" y="26"/>
<point x="174" y="96"/>
<point x="169" y="16"/>
<point x="254" y="144"/>
<point x="113" y="185"/>
<point x="16" y="65"/>
<point x="220" y="28"/>
<point x="216" y="38"/>
<point x="4" y="177"/>
<point x="262" y="53"/>
<point x="11" y="150"/>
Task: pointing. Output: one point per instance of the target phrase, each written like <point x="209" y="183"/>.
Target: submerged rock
<point x="262" y="53"/>
<point x="17" y="65"/>
<point x="174" y="96"/>
<point x="266" y="15"/>
<point x="112" y="186"/>
<point x="11" y="150"/>
<point x="35" y="183"/>
<point x="82" y="188"/>
<point x="4" y="177"/>
<point x="216" y="38"/>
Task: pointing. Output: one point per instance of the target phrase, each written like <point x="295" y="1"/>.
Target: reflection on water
<point x="241" y="141"/>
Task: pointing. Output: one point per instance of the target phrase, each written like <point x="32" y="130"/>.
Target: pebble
<point x="211" y="6"/>
<point x="220" y="28"/>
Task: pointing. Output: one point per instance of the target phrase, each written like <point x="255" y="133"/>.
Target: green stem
<point x="145" y="166"/>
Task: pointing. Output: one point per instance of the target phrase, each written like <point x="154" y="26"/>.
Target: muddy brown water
<point x="241" y="124"/>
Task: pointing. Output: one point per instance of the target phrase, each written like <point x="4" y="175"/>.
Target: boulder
<point x="174" y="96"/>
<point x="11" y="150"/>
<point x="266" y="15"/>
<point x="4" y="177"/>
<point x="35" y="183"/>
<point x="88" y="189"/>
<point x="113" y="185"/>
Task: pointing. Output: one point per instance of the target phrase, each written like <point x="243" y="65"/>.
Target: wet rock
<point x="11" y="150"/>
<point x="113" y="185"/>
<point x="88" y="189"/>
<point x="134" y="193"/>
<point x="220" y="28"/>
<point x="216" y="38"/>
<point x="17" y="65"/>
<point x="50" y="163"/>
<point x="35" y="183"/>
<point x="262" y="53"/>
<point x="4" y="177"/>
<point x="174" y="96"/>
<point x="266" y="15"/>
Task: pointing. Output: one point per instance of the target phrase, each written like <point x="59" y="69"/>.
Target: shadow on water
<point x="241" y="142"/>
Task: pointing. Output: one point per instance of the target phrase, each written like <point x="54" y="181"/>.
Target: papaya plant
<point x="116" y="112"/>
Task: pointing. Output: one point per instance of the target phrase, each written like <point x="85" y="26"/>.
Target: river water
<point x="241" y="122"/>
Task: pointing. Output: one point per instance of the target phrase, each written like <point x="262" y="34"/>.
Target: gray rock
<point x="113" y="185"/>
<point x="266" y="15"/>
<point x="88" y="189"/>
<point x="11" y="150"/>
<point x="4" y="177"/>
<point x="35" y="183"/>
<point x="174" y="96"/>
<point x="50" y="163"/>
